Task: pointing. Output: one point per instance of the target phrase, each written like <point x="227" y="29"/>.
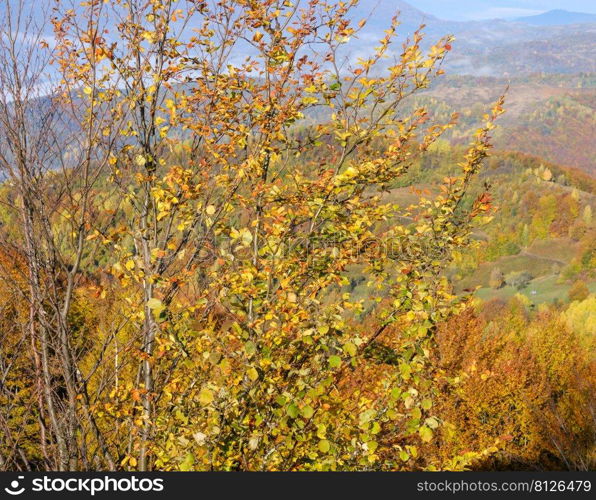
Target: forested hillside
<point x="227" y="246"/>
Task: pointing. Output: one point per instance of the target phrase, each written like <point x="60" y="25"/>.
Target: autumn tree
<point x="51" y="156"/>
<point x="242" y="157"/>
<point x="497" y="278"/>
<point x="521" y="382"/>
<point x="578" y="291"/>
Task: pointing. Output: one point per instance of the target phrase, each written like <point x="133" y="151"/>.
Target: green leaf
<point x="324" y="446"/>
<point x="250" y="347"/>
<point x="366" y="416"/>
<point x="187" y="463"/>
<point x="321" y="431"/>
<point x="350" y="348"/>
<point x="307" y="412"/>
<point x="323" y="329"/>
<point x="334" y="361"/>
<point x="406" y="371"/>
<point x="292" y="410"/>
<point x="426" y="404"/>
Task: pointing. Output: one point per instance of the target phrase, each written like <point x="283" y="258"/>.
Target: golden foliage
<point x="527" y="382"/>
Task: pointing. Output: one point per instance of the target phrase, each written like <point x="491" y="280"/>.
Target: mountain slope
<point x="495" y="47"/>
<point x="558" y="17"/>
<point x="550" y="117"/>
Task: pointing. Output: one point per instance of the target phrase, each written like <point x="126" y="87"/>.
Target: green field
<point x="536" y="266"/>
<point x="541" y="290"/>
<point x="553" y="248"/>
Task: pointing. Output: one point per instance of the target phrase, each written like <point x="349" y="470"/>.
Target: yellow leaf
<point x="252" y="373"/>
<point x="205" y="396"/>
<point x="324" y="446"/>
<point x="425" y="433"/>
<point x="350" y="172"/>
<point x="154" y="303"/>
<point x="246" y="237"/>
<point x="309" y="100"/>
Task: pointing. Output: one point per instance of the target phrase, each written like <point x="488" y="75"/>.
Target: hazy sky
<point x="463" y="10"/>
<point x="456" y="10"/>
<point x="460" y="10"/>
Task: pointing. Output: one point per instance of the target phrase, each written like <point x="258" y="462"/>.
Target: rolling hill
<point x="558" y="17"/>
<point x="495" y="47"/>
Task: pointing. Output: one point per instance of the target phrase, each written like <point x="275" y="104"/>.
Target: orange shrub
<point x="526" y="382"/>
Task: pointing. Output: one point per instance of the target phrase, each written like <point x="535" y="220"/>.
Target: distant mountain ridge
<point x="495" y="47"/>
<point x="558" y="17"/>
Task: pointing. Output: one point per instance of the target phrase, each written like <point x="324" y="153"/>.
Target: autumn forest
<point x="231" y="240"/>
